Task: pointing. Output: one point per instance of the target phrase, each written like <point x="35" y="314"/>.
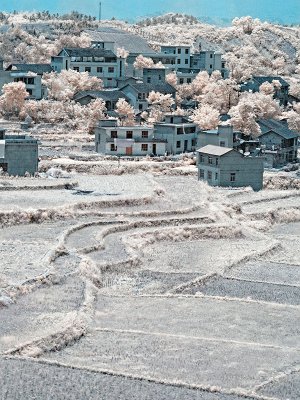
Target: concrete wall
<point x="21" y="156"/>
<point x="183" y="55"/>
<point x="248" y="171"/>
<point x="177" y="143"/>
<point x="223" y="136"/>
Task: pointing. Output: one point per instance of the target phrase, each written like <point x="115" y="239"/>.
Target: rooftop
<point x="87" y="52"/>
<point x="148" y="87"/>
<point x="106" y="95"/>
<point x="129" y="41"/>
<point x="36" y="68"/>
<point x="214" y="150"/>
<point x="279" y="127"/>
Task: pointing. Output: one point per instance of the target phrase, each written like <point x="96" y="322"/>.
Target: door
<point x="154" y="149"/>
<point x="128" y="151"/>
<point x="186" y="145"/>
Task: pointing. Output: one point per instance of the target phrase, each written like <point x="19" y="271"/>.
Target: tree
<point x="206" y="117"/>
<point x="171" y="79"/>
<point x="142" y="62"/>
<point x="121" y="52"/>
<point x="253" y="106"/>
<point x="126" y="113"/>
<point x="13" y="98"/>
<point x="159" y="104"/>
<point x="63" y="85"/>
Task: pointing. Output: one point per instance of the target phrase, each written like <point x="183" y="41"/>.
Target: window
<point x="29" y="91"/>
<point x="113" y="147"/>
<point x="111" y="70"/>
<point x="232" y="177"/>
<point x="202" y="173"/>
<point x="216" y="176"/>
<point x="179" y="51"/>
<point x="87" y="69"/>
<point x="144" y="147"/>
<point x="210" y="66"/>
<point x="181" y="81"/>
<point x="193" y="142"/>
<point x="145" y="134"/>
<point x="209" y="160"/>
<point x="149" y="79"/>
<point x="30" y="81"/>
<point x="201" y="158"/>
<point x="113" y="134"/>
<point x="217" y="161"/>
<point x="99" y="70"/>
<point x="189" y="80"/>
<point x="159" y="77"/>
<point x="222" y="143"/>
<point x="178" y="144"/>
<point x="129" y="134"/>
<point x="186" y="51"/>
<point x="186" y="61"/>
<point x="211" y="56"/>
<point x="179" y="131"/>
<point x="178" y="61"/>
<point x="209" y="175"/>
<point x="76" y="69"/>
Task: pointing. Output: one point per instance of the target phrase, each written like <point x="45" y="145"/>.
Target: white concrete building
<point x="137" y="140"/>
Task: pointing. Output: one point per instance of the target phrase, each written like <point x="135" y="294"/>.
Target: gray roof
<point x="149" y="87"/>
<point x="270" y="79"/>
<point x="36" y="68"/>
<point x="279" y="127"/>
<point x="106" y="95"/>
<point x="214" y="150"/>
<point x="87" y="52"/>
<point x="131" y="42"/>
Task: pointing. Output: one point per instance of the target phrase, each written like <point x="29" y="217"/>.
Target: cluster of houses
<point x="224" y="157"/>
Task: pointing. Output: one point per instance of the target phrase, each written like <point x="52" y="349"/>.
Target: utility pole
<point x="100" y="10"/>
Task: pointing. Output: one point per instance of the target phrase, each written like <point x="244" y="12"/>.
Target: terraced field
<point x="148" y="287"/>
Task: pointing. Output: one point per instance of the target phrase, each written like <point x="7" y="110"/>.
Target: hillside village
<point x="169" y="96"/>
<point x="149" y="209"/>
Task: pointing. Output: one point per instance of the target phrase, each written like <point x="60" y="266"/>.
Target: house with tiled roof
<point x="101" y="63"/>
<point x="281" y="94"/>
<point x="279" y="144"/>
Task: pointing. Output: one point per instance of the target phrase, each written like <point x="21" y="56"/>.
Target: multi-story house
<point x="182" y="53"/>
<point x="32" y="80"/>
<point x="281" y="93"/>
<point x="179" y="132"/>
<point x="279" y="144"/>
<point x="101" y="63"/>
<point x="153" y="80"/>
<point x="137" y="140"/>
<point x="18" y="154"/>
<point x="222" y="136"/>
<point x="223" y="166"/>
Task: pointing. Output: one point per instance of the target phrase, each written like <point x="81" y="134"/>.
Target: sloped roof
<point x="131" y="42"/>
<point x="106" y="95"/>
<point x="148" y="87"/>
<point x="279" y="127"/>
<point x="214" y="150"/>
<point x="270" y="79"/>
<point x="36" y="68"/>
<point x="87" y="52"/>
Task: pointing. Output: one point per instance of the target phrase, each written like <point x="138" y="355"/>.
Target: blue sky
<point x="287" y="11"/>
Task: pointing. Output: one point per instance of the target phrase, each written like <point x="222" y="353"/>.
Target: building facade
<point x="179" y="132"/>
<point x="223" y="136"/>
<point x="222" y="166"/>
<point x="137" y="140"/>
<point x="18" y="154"/>
<point x="102" y="63"/>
